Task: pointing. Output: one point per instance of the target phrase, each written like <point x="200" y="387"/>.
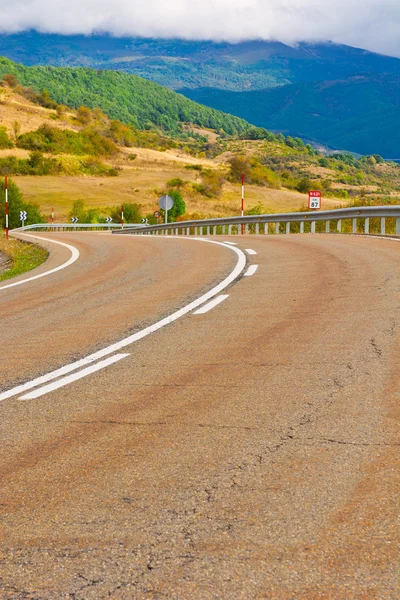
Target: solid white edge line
<point x="239" y="267"/>
<point x="250" y="251"/>
<point x="74" y="377"/>
<point x="210" y="305"/>
<point x="251" y="270"/>
<point x="74" y="257"/>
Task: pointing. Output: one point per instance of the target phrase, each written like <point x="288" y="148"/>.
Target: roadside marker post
<point x="122" y="216"/>
<point x="52" y="218"/>
<point x="6" y="191"/>
<point x="22" y="216"/>
<point x="242" y="201"/>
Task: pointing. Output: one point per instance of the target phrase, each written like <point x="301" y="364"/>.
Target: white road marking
<point x="233" y="243"/>
<point x="211" y="304"/>
<point x="240" y="265"/>
<point x="250" y="251"/>
<point x="74" y="377"/>
<point x="74" y="257"/>
<point x="251" y="270"/>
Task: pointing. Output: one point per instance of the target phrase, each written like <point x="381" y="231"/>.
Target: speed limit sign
<point x="314" y="200"/>
<point x="157" y="214"/>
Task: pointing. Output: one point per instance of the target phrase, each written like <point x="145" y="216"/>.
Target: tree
<point x="84" y="115"/>
<point x="304" y="185"/>
<point x="10" y="80"/>
<point x="239" y="165"/>
<point x="16" y="203"/>
<point x="179" y="207"/>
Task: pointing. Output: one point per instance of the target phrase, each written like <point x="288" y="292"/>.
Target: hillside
<point x="335" y="95"/>
<point x="59" y="156"/>
<point x="361" y="114"/>
<point x="129" y="98"/>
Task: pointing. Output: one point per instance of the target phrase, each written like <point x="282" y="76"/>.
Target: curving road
<point x="250" y="451"/>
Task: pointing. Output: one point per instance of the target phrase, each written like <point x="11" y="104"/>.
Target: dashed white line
<point x="232" y="243"/>
<point x="74" y="257"/>
<point x="250" y="251"/>
<point x="251" y="270"/>
<point x="74" y="377"/>
<point x="211" y="305"/>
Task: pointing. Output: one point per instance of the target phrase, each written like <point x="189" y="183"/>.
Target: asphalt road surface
<point x="249" y="451"/>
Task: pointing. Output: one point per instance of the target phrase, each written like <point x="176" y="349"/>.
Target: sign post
<point x="166" y="203"/>
<point x="6" y="190"/>
<point x="314" y="200"/>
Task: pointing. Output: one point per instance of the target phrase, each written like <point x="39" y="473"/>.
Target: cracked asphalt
<point x="249" y="452"/>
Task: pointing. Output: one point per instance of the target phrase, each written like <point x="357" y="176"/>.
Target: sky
<point x="370" y="24"/>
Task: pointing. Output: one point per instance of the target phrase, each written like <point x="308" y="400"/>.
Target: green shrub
<point x="16" y="203"/>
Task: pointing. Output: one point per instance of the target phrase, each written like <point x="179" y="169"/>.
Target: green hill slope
<point x="361" y="114"/>
<point x="128" y="98"/>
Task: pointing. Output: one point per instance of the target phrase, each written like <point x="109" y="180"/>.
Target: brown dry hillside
<point x="141" y="180"/>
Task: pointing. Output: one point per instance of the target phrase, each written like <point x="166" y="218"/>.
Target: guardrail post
<point x="327" y="226"/>
<point x="302" y="227"/>
<point x="354" y="227"/>
<point x="397" y="225"/>
<point x="366" y="225"/>
<point x="339" y="226"/>
<point x="383" y="226"/>
<point x="312" y="227"/>
<point x="277" y="228"/>
<point x="287" y="228"/>
<point x="266" y="229"/>
<point x="229" y="229"/>
<point x="246" y="228"/>
<point x="214" y="230"/>
<point x="257" y="228"/>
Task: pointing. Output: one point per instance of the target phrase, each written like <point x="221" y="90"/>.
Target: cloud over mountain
<point x="370" y="24"/>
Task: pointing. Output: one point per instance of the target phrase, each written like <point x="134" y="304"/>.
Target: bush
<point x="5" y="141"/>
<point x="58" y="141"/>
<point x="132" y="213"/>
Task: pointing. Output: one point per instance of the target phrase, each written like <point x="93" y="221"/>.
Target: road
<point x="247" y="452"/>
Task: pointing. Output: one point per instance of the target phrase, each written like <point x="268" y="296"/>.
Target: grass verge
<point x="24" y="256"/>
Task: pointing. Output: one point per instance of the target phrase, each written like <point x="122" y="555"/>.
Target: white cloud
<point x="371" y="24"/>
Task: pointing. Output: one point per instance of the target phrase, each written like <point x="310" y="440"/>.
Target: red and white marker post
<point x="122" y="216"/>
<point x="6" y="190"/>
<point x="52" y="218"/>
<point x="242" y="201"/>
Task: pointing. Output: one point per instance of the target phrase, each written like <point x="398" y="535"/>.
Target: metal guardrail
<point x="73" y="226"/>
<point x="284" y="223"/>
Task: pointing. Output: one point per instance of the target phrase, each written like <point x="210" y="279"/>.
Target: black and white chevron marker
<point x="22" y="216"/>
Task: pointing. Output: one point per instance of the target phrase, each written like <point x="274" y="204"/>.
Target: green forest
<point x="128" y="98"/>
